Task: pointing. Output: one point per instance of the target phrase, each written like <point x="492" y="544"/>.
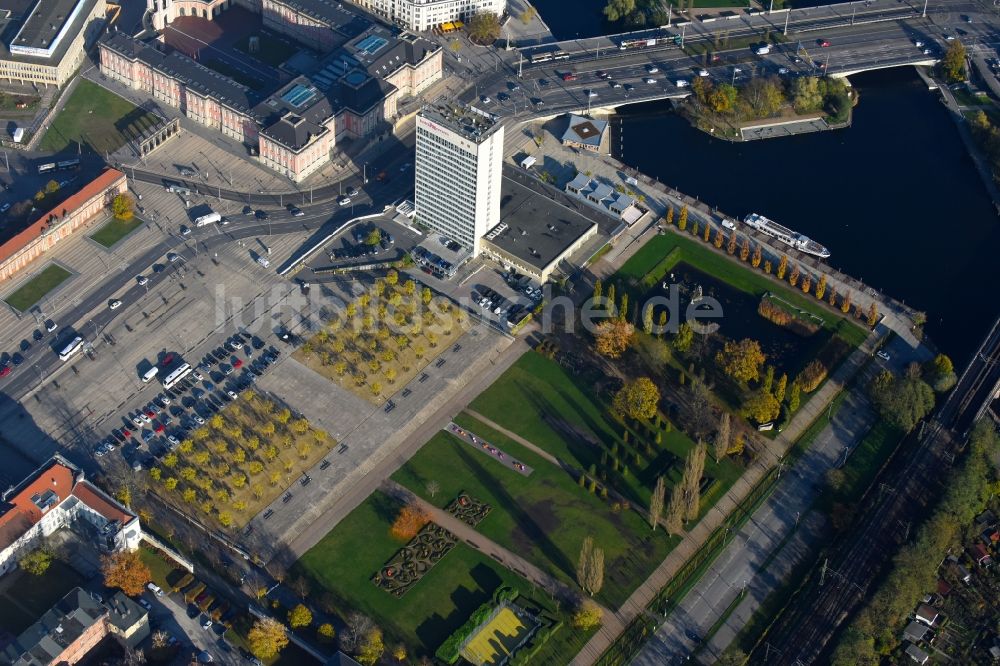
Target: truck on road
<point x="207" y="219"/>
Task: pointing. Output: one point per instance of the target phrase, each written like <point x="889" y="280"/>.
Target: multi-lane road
<point x="91" y="314"/>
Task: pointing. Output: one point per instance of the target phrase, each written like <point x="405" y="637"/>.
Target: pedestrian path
<point x="495" y="551"/>
<point x="695" y="539"/>
<point x="531" y="446"/>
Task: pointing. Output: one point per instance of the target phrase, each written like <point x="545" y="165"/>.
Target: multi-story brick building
<point x="45" y="41"/>
<point x="427" y="14"/>
<point x="352" y="93"/>
<point x="75" y="212"/>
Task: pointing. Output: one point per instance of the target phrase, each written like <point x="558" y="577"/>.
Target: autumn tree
<point x="940" y="373"/>
<point x="656" y="502"/>
<point x="761" y="406"/>
<point x="741" y="360"/>
<point x="682" y="220"/>
<point x="613" y="337"/>
<point x="590" y="567"/>
<point x="782" y="267"/>
<point x="723" y="434"/>
<point x="300" y="616"/>
<point x="37" y="562"/>
<point x="399" y="652"/>
<point x="484" y="27"/>
<point x="719" y="238"/>
<point x="845" y="304"/>
<point x="762" y="97"/>
<point x="684" y="338"/>
<point x="755" y="260"/>
<point x="266" y="638"/>
<point x="674" y="519"/>
<point x="872" y="317"/>
<point x="806" y="283"/>
<point x="371" y="647"/>
<point x="806" y="95"/>
<point x="126" y="571"/>
<point x="587" y="615"/>
<point x="793" y="279"/>
<point x="794" y="396"/>
<point x="779" y="389"/>
<point x="637" y="399"/>
<point x="820" y="287"/>
<point x="122" y="206"/>
<point x="731" y="246"/>
<point x="326" y="632"/>
<point x="410" y="520"/>
<point x="722" y="98"/>
<point x="694" y="468"/>
<point x="953" y="62"/>
<point x="745" y="249"/>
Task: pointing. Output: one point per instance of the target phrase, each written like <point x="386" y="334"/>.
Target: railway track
<point x="803" y="634"/>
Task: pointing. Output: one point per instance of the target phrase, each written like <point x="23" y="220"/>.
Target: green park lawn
<point x="544" y="517"/>
<point x="345" y="560"/>
<point x="96" y="119"/>
<point x="115" y="230"/>
<point x="537" y="398"/>
<point x="667" y="250"/>
<point x="37" y="287"/>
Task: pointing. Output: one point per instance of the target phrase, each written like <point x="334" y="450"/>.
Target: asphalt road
<point x="91" y="314"/>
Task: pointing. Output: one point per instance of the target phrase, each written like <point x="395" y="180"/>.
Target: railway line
<point x="803" y="634"/>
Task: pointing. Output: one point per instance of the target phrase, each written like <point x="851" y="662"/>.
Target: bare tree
<point x="160" y="639"/>
<point x="433" y="487"/>
<point x="702" y="420"/>
<point x="358" y="625"/>
<point x="723" y="435"/>
<point x="301" y="587"/>
<point x="656" y="502"/>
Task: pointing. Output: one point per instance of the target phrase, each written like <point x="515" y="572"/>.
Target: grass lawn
<point x="695" y="253"/>
<point x="345" y="560"/>
<point x="96" y="119"/>
<point x="24" y="597"/>
<point x="37" y="287"/>
<point x="863" y="463"/>
<point x="542" y="402"/>
<point x="164" y="572"/>
<point x="272" y="51"/>
<point x="543" y="517"/>
<point x="115" y="230"/>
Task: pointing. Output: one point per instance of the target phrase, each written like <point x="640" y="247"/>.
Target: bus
<point x="547" y="56"/>
<point x="70" y="349"/>
<point x="68" y="164"/>
<point x="46" y="168"/>
<point x="174" y="378"/>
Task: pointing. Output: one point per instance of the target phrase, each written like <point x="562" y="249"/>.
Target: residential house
<point x="916" y="654"/>
<point x="927" y="614"/>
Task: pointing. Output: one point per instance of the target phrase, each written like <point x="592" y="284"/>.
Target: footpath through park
<point x="696" y="539"/>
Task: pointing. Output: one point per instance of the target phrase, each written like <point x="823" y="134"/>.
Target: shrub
<point x="183" y="582"/>
<point x="812" y="376"/>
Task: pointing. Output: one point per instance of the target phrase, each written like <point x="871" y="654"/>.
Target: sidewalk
<point x="695" y="539"/>
<point x="495" y="551"/>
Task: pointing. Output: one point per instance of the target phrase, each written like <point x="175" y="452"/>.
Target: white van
<point x="263" y="261"/>
<point x="207" y="219"/>
<point x="152" y="372"/>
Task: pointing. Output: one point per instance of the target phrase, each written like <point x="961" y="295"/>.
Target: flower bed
<point x="468" y="509"/>
<point x="415" y="559"/>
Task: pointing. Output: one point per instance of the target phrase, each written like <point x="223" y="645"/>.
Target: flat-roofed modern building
<point x="45" y="41"/>
<point x="428" y="14"/>
<point x="458" y="169"/>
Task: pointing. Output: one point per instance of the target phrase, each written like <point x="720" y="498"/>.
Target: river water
<point x="895" y="197"/>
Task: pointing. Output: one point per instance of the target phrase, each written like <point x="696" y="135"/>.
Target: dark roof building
<point x="65" y="633"/>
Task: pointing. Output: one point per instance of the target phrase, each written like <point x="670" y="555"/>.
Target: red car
<point x="238" y="363"/>
<point x="126" y="433"/>
<point x="824" y="42"/>
<point x="5" y="371"/>
<point x="159" y="427"/>
<point x="151" y="414"/>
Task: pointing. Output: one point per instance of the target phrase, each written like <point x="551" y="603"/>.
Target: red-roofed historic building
<point x="55" y="225"/>
<point x="55" y="496"/>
